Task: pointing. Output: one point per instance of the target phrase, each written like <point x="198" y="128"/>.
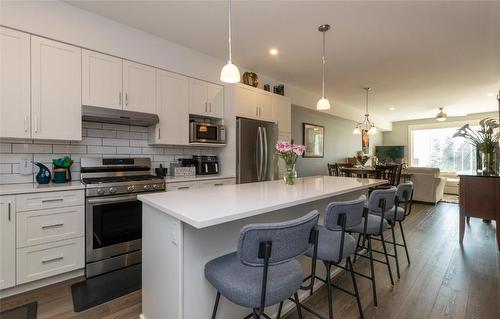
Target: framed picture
<point x="365" y="142"/>
<point x="314" y="136"/>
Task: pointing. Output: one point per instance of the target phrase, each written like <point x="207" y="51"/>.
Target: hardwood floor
<point x="443" y="281"/>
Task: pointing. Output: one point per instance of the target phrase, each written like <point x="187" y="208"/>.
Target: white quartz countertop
<point x="13" y="189"/>
<point x="176" y="179"/>
<point x="206" y="207"/>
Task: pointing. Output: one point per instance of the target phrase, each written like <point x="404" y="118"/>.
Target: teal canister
<point x="60" y="175"/>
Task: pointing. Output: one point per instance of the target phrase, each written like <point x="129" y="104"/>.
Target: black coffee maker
<point x="206" y="165"/>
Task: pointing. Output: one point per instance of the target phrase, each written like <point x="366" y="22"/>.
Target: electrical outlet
<point x="25" y="167"/>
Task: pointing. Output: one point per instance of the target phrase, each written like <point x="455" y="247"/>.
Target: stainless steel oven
<point x="200" y="132"/>
<point x="113" y="215"/>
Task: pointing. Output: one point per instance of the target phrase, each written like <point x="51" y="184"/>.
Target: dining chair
<point x="332" y="169"/>
<point x="265" y="269"/>
<point x="339" y="166"/>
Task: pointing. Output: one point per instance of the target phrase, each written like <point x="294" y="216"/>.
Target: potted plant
<point x="485" y="140"/>
<point x="289" y="153"/>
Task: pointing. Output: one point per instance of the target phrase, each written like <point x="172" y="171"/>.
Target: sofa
<point x="428" y="184"/>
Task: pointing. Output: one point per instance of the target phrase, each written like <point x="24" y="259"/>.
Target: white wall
<point x="63" y="22"/>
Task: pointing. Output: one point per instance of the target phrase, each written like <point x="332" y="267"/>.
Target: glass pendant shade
<point x="230" y="73"/>
<point x="372" y="130"/>
<point x="366" y="125"/>
<point x="356" y="131"/>
<point x="441" y="116"/>
<point x="323" y="104"/>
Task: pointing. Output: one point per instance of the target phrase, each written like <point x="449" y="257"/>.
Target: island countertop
<point x="207" y="207"/>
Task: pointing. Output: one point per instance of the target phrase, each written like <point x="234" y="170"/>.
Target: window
<point x="434" y="146"/>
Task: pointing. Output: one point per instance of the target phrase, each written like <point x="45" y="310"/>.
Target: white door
<point x="282" y="111"/>
<point x="7" y="241"/>
<point x="101" y="80"/>
<point x="215" y="98"/>
<point x="246" y="103"/>
<point x="172" y="109"/>
<point x="15" y="105"/>
<point x="265" y="106"/>
<point x="198" y="97"/>
<point x="56" y="90"/>
<point x="139" y="85"/>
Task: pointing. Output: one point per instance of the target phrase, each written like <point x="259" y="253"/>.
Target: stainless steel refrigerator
<point x="255" y="159"/>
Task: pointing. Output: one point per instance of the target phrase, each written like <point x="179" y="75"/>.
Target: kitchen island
<point x="183" y="230"/>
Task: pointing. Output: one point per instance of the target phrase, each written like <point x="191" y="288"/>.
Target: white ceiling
<point x="416" y="56"/>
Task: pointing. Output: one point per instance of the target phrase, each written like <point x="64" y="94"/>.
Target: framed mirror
<point x="313" y="136"/>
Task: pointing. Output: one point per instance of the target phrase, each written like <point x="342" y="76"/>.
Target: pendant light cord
<point x="229" y="33"/>
<point x="324" y="61"/>
<point x="367" y="90"/>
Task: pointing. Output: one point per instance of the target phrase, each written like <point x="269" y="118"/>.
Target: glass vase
<point x="489" y="164"/>
<point x="290" y="174"/>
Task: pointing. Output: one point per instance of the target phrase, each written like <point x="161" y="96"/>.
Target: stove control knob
<point x="147" y="187"/>
<point x="112" y="190"/>
<point x="130" y="188"/>
<point x="100" y="191"/>
<point x="156" y="186"/>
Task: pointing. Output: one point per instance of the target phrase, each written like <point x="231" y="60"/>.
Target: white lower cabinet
<point x="7" y="241"/>
<point x="173" y="186"/>
<point x="41" y="261"/>
<point x="181" y="186"/>
<point x="217" y="182"/>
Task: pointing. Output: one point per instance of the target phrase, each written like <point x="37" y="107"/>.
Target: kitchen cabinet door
<point x="139" y="86"/>
<point x="56" y="90"/>
<point x="7" y="241"/>
<point x="215" y="98"/>
<point x="282" y="113"/>
<point x="15" y="105"/>
<point x="101" y="80"/>
<point x="265" y="106"/>
<point x="245" y="102"/>
<point x="198" y="97"/>
<point x="172" y="109"/>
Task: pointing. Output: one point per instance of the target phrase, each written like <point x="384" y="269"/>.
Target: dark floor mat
<point x="27" y="311"/>
<point x="103" y="288"/>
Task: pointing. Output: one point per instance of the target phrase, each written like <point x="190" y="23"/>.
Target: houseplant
<point x="289" y="153"/>
<point x="485" y="140"/>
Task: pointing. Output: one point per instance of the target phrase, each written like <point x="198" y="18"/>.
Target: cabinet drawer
<point x="181" y="186"/>
<point x="42" y="261"/>
<point x="46" y="200"/>
<point x="44" y="226"/>
<point x="217" y="182"/>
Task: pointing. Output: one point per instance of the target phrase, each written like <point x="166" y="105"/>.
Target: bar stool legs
<point x="393" y="224"/>
<point x="387" y="259"/>
<point x="404" y="241"/>
<point x="217" y="298"/>
<point x="355" y="285"/>
<point x="372" y="271"/>
<point x="329" y="289"/>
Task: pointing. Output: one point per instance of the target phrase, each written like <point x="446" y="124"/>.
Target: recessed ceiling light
<point x="273" y="51"/>
<point x="491" y="94"/>
<point x="392" y="108"/>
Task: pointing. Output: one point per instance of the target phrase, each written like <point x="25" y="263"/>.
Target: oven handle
<point x="114" y="199"/>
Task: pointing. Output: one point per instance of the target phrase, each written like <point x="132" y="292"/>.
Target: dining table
<point x="358" y="171"/>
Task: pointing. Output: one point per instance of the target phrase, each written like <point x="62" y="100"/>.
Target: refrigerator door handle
<point x="257" y="154"/>
<point x="261" y="162"/>
<point x="264" y="134"/>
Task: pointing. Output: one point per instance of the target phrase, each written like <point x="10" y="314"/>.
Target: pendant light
<point x="230" y="72"/>
<point x="323" y="103"/>
<point x="366" y="125"/>
<point x="441" y="116"/>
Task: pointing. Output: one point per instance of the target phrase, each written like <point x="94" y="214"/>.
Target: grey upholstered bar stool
<point x="372" y="226"/>
<point x="334" y="244"/>
<point x="396" y="215"/>
<point x="264" y="270"/>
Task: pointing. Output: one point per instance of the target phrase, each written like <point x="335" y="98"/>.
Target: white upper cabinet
<point x="282" y="113"/>
<point x="7" y="241"/>
<point x="101" y="80"/>
<point x="15" y="105"/>
<point x="253" y="103"/>
<point x="172" y="109"/>
<point x="56" y="90"/>
<point x="206" y="99"/>
<point x="139" y="87"/>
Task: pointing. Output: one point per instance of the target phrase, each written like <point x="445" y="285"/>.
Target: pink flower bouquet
<point x="289" y="153"/>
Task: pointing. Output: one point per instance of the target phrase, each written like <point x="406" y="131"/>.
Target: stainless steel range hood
<point x="113" y="116"/>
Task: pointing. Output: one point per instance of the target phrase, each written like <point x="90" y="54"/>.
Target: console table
<point x="479" y="197"/>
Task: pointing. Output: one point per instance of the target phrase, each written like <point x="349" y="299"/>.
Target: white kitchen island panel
<point x="175" y="251"/>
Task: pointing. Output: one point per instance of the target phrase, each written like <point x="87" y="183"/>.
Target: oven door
<point x="113" y="226"/>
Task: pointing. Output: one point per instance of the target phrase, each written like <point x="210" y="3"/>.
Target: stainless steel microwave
<point x="207" y="133"/>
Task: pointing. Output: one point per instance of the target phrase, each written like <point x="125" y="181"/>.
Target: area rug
<point x="27" y="311"/>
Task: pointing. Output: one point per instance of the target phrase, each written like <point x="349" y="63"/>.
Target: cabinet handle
<point x="52" y="200"/>
<point x="126" y="99"/>
<point x="119" y="98"/>
<point x="35" y="123"/>
<point x="257" y="111"/>
<point x="219" y="184"/>
<point x="26" y="123"/>
<point x="48" y="260"/>
<point x="210" y="106"/>
<point x="183" y="187"/>
<point x="159" y="133"/>
<point x="206" y="107"/>
<point x="52" y="225"/>
<point x="9" y="206"/>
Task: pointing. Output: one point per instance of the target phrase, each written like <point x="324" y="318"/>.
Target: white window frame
<point x="427" y="126"/>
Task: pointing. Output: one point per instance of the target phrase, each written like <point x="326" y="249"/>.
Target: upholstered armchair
<point x="428" y="185"/>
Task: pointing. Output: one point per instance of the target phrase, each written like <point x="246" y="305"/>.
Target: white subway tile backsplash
<point x="32" y="148"/>
<point x="101" y="150"/>
<point x="114" y="142"/>
<point x="99" y="140"/>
